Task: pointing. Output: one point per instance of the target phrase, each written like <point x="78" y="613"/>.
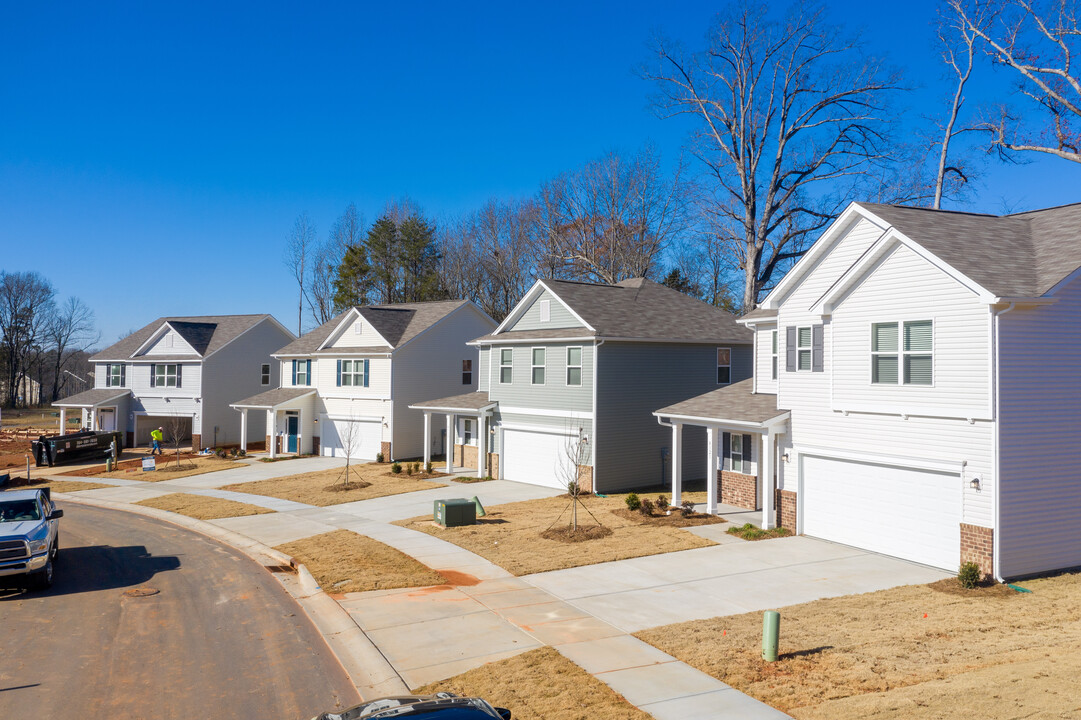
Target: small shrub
<point x="428" y="467"/>
<point x="409" y="468"/>
<point x="220" y="452"/>
<point x="416" y="467"/>
<point x="646" y="508"/>
<point x="969" y="575"/>
<point x="396" y="468"/>
<point x="633" y="503"/>
<point x="379" y="457"/>
<point x="572" y="488"/>
<point x="242" y="453"/>
<point x="662" y="502"/>
<point x="687" y="508"/>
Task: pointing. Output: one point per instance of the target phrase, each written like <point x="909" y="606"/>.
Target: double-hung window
<point x="353" y="373"/>
<point x="902" y="353"/>
<point x="165" y="375"/>
<point x="302" y="372"/>
<point x="803" y="348"/>
<point x="467" y="431"/>
<point x="574" y="366"/>
<point x="115" y="375"/>
<point x="506" y="357"/>
<point x="735" y="452"/>
<point x="724" y="366"/>
<point x="264" y="374"/>
<point x="538" y="366"/>
<point x="773" y="353"/>
<point x="467" y="372"/>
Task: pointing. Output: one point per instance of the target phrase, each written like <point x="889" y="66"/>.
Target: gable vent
<point x="545" y="310"/>
<point x="358" y="328"/>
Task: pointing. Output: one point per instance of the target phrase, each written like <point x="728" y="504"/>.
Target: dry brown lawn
<point x="202" y="507"/>
<point x="318" y="488"/>
<point x="343" y="561"/>
<point x="510" y="535"/>
<point x="915" y="652"/>
<point x="540" y="684"/>
<point x="62" y="486"/>
<point x="166" y="468"/>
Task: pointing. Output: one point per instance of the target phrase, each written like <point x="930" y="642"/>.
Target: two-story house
<point x="916" y="389"/>
<point x="568" y="381"/>
<point x="182" y="372"/>
<point x="346" y="386"/>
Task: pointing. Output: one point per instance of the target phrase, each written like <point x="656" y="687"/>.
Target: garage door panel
<point x="533" y="457"/>
<point x="365" y="442"/>
<point x="905" y="512"/>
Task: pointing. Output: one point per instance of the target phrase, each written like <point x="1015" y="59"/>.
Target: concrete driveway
<point x="727" y="579"/>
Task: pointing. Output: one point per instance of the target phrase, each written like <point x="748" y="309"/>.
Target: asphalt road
<point x="221" y="639"/>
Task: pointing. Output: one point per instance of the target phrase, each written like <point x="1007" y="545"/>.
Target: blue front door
<point x="292" y="428"/>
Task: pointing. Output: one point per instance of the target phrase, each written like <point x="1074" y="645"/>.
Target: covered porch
<point x="469" y="420"/>
<point x="104" y="409"/>
<point x="742" y="431"/>
<point x="289" y="417"/>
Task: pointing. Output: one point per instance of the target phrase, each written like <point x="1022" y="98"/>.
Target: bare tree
<point x="351" y="437"/>
<point x="175" y="428"/>
<point x="571" y="460"/>
<point x="70" y="332"/>
<point x="298" y="251"/>
<point x="610" y="220"/>
<point x="26" y="301"/>
<point x="1038" y="41"/>
<point x="326" y="257"/>
<point x="790" y="117"/>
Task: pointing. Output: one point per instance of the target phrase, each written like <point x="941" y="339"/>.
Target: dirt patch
<point x="166" y="468"/>
<point x="951" y="586"/>
<point x="317" y="488"/>
<point x="676" y="519"/>
<point x="540" y="684"/>
<point x="60" y="486"/>
<point x="343" y="561"/>
<point x="202" y="507"/>
<point x="909" y="652"/>
<point x="511" y="535"/>
<point x="582" y="533"/>
<point x="347" y="486"/>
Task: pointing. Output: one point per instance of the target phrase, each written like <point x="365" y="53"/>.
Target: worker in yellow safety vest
<point x="156" y="437"/>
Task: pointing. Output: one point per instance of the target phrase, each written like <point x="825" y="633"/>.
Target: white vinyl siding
<point x="170" y="344"/>
<point x="358" y="333"/>
<point x="557" y="315"/>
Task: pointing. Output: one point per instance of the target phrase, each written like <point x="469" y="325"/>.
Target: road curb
<point x="370" y="672"/>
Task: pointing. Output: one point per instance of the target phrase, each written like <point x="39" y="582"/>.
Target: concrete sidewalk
<point x="586" y="613"/>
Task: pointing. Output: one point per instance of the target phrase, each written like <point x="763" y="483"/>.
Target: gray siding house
<point x="568" y="382"/>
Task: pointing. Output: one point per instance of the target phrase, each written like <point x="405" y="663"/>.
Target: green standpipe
<point x="771" y="628"/>
<point x="480" y="508"/>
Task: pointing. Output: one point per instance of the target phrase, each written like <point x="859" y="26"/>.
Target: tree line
<point x="44" y="341"/>
<point x="791" y="118"/>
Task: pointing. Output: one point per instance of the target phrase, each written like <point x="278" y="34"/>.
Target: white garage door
<point x="533" y="457"/>
<point x="904" y="512"/>
<point x="360" y="439"/>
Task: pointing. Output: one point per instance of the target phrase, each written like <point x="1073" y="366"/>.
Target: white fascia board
<point x="354" y="418"/>
<point x="530" y="341"/>
<point x="454" y="410"/>
<point x="907" y="411"/>
<point x="154" y="336"/>
<point x="943" y="466"/>
<point x="758" y="427"/>
<point x="268" y="407"/>
<point x="820" y="247"/>
<point x="539" y="429"/>
<point x="350" y="318"/>
<point x="753" y="323"/>
<point x="543" y="412"/>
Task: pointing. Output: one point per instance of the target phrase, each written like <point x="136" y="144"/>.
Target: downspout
<point x="593" y="450"/>
<point x="995" y="500"/>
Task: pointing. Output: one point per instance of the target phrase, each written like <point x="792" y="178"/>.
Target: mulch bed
<point x="676" y="519"/>
<point x="952" y="586"/>
<point x="582" y="533"/>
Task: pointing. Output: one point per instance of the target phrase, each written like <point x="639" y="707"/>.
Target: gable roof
<point x="1020" y="255"/>
<point x="638" y="309"/>
<point x="205" y="333"/>
<point x="398" y="323"/>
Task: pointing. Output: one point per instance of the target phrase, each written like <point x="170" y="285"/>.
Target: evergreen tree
<point x="678" y="281"/>
<point x="383" y="246"/>
<point x="419" y="257"/>
<point x="353" y="283"/>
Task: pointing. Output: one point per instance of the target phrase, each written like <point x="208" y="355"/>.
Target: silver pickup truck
<point x="29" y="536"/>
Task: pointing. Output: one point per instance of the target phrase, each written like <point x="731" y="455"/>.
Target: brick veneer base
<point x="196" y="441"/>
<point x="267" y="445"/>
<point x="785" y="501"/>
<point x="385" y="449"/>
<point x="315" y="444"/>
<point x="465" y="456"/>
<point x="977" y="545"/>
<point x="585" y="478"/>
<point x="738" y="489"/>
<point x="493" y="464"/>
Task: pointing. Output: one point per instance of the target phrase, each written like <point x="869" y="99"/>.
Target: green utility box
<point x="456" y="512"/>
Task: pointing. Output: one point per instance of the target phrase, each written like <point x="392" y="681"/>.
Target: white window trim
<point x="472" y="442"/>
<point x="165" y="375"/>
<point x="732" y="445"/>
<point x="809" y="348"/>
<point x="509" y="366"/>
<point x="719" y="366"/>
<point x="353" y="373"/>
<point x="901" y="352"/>
<point x="264" y="371"/>
<point x="581" y="361"/>
<point x="533" y="367"/>
<point x="773" y="354"/>
<point x="109" y="375"/>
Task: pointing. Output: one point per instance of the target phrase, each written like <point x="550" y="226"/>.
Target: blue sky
<point x="154" y="155"/>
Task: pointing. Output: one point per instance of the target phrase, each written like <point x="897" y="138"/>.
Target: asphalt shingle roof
<point x="734" y="402"/>
<point x="468" y="401"/>
<point x="205" y="334"/>
<point x="90" y="398"/>
<point x="270" y="398"/>
<point x="1021" y="255"/>
<point x="397" y="322"/>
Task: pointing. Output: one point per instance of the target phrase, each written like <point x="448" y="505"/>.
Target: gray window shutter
<point x="816" y="348"/>
<point x="726" y="451"/>
<point x="178" y="369"/>
<point x="153" y="375"/>
<point x="746" y="450"/>
<point x="123" y="376"/>
<point x="790" y="349"/>
<point x="339" y="373"/>
<point x="365" y="372"/>
<point x="294" y="372"/>
<point x="308" y="372"/>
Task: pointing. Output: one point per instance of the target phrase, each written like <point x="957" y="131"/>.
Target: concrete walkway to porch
<point x="586" y="613"/>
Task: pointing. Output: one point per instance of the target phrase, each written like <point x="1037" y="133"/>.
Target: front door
<point x="107" y="419"/>
<point x="292" y="429"/>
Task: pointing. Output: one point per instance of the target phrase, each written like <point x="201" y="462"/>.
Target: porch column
<point x="63" y="420"/>
<point x="427" y="438"/>
<point x="272" y="432"/>
<point x="713" y="437"/>
<point x="677" y="464"/>
<point x="244" y="429"/>
<point x="765" y="466"/>
<point x="94" y="418"/>
<point x="482" y="445"/>
<point x="450" y="440"/>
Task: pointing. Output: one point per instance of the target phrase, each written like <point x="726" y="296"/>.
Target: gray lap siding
<point x="634" y="379"/>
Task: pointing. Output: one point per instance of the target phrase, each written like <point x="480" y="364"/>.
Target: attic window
<point x="545" y="310"/>
<point x="358" y="328"/>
